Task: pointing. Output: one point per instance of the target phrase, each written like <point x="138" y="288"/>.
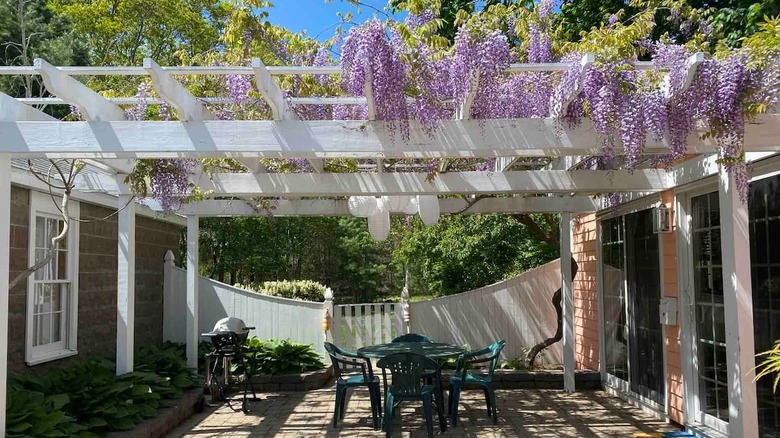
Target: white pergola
<point x="108" y="143"/>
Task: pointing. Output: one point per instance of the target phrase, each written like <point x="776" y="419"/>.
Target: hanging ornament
<point x="379" y="222"/>
<point x="429" y="209"/>
<point x="362" y="206"/>
<point x="397" y="204"/>
<point x="412" y="206"/>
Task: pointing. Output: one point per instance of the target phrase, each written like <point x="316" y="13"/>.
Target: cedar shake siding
<point x="97" y="302"/>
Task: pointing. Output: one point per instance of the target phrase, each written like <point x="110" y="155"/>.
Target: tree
<point x="465" y="252"/>
<point x="61" y="176"/>
<point x="124" y="32"/>
<point x="30" y="29"/>
<point x="726" y="21"/>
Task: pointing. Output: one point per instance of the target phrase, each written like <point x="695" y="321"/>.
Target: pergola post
<point x="193" y="230"/>
<point x="738" y="307"/>
<point x="567" y="303"/>
<point x="125" y="315"/>
<point x="5" y="245"/>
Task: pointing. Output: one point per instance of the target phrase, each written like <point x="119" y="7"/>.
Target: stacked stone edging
<point x="173" y="413"/>
<point x="540" y="379"/>
<point x="292" y="382"/>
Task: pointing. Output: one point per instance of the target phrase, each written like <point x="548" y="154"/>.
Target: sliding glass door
<point x="631" y="291"/>
<point x="764" y="206"/>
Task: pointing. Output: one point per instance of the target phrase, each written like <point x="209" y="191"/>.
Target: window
<point x="709" y="322"/>
<point x="53" y="289"/>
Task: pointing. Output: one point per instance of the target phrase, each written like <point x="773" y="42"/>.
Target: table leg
<point x="440" y="402"/>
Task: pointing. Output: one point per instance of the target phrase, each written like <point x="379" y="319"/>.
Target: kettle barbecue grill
<point x="227" y="338"/>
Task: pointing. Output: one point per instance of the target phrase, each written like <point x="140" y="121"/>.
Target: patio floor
<point x="522" y="413"/>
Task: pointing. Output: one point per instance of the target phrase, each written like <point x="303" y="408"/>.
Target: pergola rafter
<point x="110" y="142"/>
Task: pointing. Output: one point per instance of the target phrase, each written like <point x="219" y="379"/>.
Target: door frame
<point x="687" y="305"/>
<point x="611" y="383"/>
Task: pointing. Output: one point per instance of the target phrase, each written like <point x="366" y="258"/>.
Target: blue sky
<point x="317" y="17"/>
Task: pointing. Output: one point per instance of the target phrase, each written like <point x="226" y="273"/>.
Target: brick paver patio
<point x="522" y="413"/>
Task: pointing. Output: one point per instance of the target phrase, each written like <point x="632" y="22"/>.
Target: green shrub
<point x="88" y="399"/>
<point x="280" y="357"/>
<point x="33" y="414"/>
<point x="165" y="370"/>
<point x="97" y="397"/>
<point x="518" y="363"/>
<point x="295" y="289"/>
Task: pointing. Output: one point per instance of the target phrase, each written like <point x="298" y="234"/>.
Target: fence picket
<point x="358" y="321"/>
<point x="336" y="334"/>
<point x="376" y="309"/>
<point x="386" y="329"/>
<point x="399" y="320"/>
<point x="350" y="332"/>
<point x="368" y="334"/>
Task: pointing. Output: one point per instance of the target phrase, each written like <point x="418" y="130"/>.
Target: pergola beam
<point x="338" y="207"/>
<point x="92" y="105"/>
<point x="586" y="62"/>
<point x="280" y="108"/>
<point x="12" y="110"/>
<point x="187" y="106"/>
<point x="333" y="139"/>
<point x="298" y="185"/>
<point x="408" y="183"/>
<point x="464" y="112"/>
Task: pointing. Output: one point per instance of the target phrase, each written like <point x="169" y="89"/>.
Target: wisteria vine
<point x="627" y="106"/>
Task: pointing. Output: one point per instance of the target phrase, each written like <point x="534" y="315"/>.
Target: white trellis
<point x="106" y="141"/>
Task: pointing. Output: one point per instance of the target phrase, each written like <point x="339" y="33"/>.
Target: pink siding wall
<point x="586" y="318"/>
<point x="586" y="322"/>
<point x="672" y="332"/>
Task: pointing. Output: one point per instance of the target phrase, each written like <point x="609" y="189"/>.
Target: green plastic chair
<point x="462" y="376"/>
<point x="352" y="371"/>
<point x="412" y="337"/>
<point x="407" y="371"/>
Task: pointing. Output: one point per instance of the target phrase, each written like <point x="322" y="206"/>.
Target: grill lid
<point x="231" y="324"/>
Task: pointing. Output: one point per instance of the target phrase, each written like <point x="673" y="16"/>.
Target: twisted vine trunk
<point x="50" y="252"/>
<point x="556" y="302"/>
<point x="553" y="239"/>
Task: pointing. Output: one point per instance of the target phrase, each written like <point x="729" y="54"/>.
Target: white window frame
<point x="43" y="205"/>
<point x="694" y="415"/>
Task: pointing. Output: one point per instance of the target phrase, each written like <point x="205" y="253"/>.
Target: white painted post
<point x="169" y="300"/>
<point x="327" y="316"/>
<point x="125" y="299"/>
<point x="567" y="302"/>
<point x="405" y="308"/>
<point x="738" y="305"/>
<point x="193" y="230"/>
<point x="5" y="256"/>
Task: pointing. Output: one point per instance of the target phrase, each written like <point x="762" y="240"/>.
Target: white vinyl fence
<point x="272" y="317"/>
<point x="518" y="310"/>
<point x="359" y="325"/>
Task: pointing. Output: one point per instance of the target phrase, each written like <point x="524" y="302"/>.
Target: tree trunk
<point x="552" y="239"/>
<point x="556" y="302"/>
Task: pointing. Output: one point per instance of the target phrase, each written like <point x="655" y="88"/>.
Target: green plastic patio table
<point x="434" y="350"/>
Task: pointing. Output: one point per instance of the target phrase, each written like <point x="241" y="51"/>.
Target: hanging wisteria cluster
<point x="167" y="181"/>
<point x="427" y="83"/>
<point x="626" y="105"/>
